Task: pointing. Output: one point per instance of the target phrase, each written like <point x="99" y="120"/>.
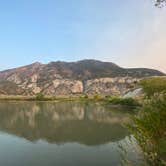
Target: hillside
<point x="65" y="77"/>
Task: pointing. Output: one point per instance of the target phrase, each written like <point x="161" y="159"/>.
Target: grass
<point x="111" y="100"/>
<point x="149" y="129"/>
<point x="96" y="98"/>
<point x="35" y="98"/>
<point x="149" y="126"/>
<point x="123" y="101"/>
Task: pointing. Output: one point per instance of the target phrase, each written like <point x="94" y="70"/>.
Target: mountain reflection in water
<point x="64" y="134"/>
<point x="84" y="123"/>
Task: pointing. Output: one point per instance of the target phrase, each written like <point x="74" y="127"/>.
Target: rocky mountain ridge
<point x="64" y="78"/>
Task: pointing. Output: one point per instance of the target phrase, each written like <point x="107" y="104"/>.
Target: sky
<point x="130" y="33"/>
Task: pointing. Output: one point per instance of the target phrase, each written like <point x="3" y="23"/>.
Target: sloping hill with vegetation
<point x="68" y="77"/>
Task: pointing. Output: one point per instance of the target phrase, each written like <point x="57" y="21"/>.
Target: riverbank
<point x="35" y="98"/>
<point x="117" y="101"/>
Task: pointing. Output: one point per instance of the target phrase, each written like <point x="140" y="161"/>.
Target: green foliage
<point x="84" y="96"/>
<point x="123" y="101"/>
<point x="40" y="96"/>
<point x="97" y="97"/>
<point x="149" y="129"/>
<point x="153" y="85"/>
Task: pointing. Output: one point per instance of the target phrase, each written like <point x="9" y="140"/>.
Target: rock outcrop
<point x="104" y="86"/>
<point x="111" y="86"/>
<point x="64" y="78"/>
<point x="64" y="87"/>
<point x="136" y="93"/>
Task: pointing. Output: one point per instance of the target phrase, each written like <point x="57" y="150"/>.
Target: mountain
<point x="64" y="77"/>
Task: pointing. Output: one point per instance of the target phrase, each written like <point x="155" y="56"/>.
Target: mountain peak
<point x="36" y="63"/>
<point x="86" y="69"/>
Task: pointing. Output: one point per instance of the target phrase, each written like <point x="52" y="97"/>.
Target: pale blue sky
<point x="131" y="33"/>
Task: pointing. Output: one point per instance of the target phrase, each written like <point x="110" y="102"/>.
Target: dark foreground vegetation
<point x="149" y="126"/>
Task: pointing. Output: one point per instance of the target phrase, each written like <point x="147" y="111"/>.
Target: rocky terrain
<point x="66" y="78"/>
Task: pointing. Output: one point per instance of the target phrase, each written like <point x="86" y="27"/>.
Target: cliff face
<point x="111" y="86"/>
<point x="62" y="78"/>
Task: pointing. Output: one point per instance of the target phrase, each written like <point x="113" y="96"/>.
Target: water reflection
<point x="84" y="123"/>
<point x="65" y="134"/>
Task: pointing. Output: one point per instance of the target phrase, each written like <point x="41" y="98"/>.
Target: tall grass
<point x="149" y="126"/>
<point x="149" y="129"/>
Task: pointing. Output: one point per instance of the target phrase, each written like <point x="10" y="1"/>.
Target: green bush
<point x="149" y="129"/>
<point x="40" y="96"/>
<point x="97" y="97"/>
<point x="153" y="85"/>
<point x="123" y="101"/>
<point x="85" y="96"/>
<point x="108" y="96"/>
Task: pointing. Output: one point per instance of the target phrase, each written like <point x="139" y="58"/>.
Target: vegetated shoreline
<point x="34" y="98"/>
<point x="107" y="100"/>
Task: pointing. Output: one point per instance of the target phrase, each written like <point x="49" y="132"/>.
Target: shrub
<point x="40" y="96"/>
<point x="149" y="129"/>
<point x="85" y="96"/>
<point x="123" y="101"/>
<point x="153" y="85"/>
<point x="107" y="96"/>
<point x="97" y="97"/>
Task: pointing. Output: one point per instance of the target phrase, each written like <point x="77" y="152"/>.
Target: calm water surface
<point x="63" y="134"/>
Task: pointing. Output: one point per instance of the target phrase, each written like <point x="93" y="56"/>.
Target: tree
<point x="160" y="3"/>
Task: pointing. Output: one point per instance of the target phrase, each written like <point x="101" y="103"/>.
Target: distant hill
<point x="36" y="77"/>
